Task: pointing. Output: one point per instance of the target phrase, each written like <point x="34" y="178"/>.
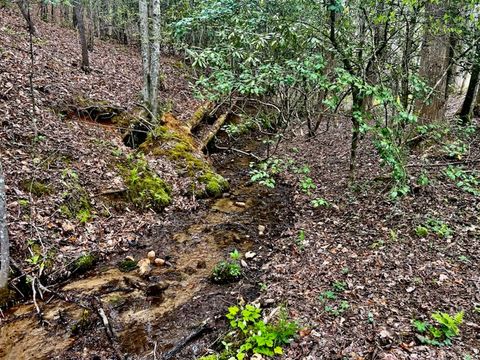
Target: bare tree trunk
<point x="150" y="44"/>
<point x="357" y="106"/>
<point x="155" y="55"/>
<point x="78" y="10"/>
<point x="24" y="6"/>
<point x="144" y="40"/>
<point x="4" y="243"/>
<point x="472" y="93"/>
<point x="433" y="65"/>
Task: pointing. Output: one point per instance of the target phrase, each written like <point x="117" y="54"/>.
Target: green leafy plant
<point x="300" y="241"/>
<point x="337" y="310"/>
<point x="252" y="335"/>
<point x="320" y="202"/>
<point x="443" y="332"/>
<point x="467" y="181"/>
<point x="423" y="179"/>
<point x="421" y="231"/>
<point x="333" y="303"/>
<point x="264" y="172"/>
<point x="228" y="271"/>
<point x="307" y="185"/>
<point x="438" y="227"/>
<point x="455" y="150"/>
<point x="235" y="255"/>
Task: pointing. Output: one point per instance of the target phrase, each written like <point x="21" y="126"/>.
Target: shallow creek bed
<point x="175" y="311"/>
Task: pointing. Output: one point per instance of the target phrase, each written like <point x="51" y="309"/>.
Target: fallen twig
<point x="108" y="329"/>
<point x="194" y="334"/>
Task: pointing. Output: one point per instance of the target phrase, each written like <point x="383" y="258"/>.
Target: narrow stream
<point x="149" y="316"/>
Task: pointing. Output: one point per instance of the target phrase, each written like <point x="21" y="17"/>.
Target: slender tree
<point x="78" y="11"/>
<point x="24" y="6"/>
<point x="150" y="43"/>
<point x="4" y="243"/>
<point x="472" y="91"/>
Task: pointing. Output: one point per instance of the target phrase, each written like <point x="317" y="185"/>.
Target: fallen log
<point x="212" y="130"/>
<point x="199" y="115"/>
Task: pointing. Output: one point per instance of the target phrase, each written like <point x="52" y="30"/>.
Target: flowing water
<point x="150" y="315"/>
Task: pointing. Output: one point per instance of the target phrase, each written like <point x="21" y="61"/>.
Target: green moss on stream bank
<point x="173" y="140"/>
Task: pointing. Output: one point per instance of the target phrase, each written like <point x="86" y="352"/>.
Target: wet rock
<point x="157" y="290"/>
<point x="159" y="262"/>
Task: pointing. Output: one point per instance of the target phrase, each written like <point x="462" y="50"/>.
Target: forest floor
<point x="353" y="274"/>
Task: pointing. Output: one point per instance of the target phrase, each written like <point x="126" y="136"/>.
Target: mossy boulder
<point x="215" y="184"/>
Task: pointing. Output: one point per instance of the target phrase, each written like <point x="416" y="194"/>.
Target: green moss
<point x="173" y="140"/>
<point x="84" y="263"/>
<point x="76" y="204"/>
<point x="36" y="187"/>
<point x="127" y="265"/>
<point x="215" y="184"/>
<point x="145" y="188"/>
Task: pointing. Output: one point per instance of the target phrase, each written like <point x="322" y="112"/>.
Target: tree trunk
<point x="4" y="243"/>
<point x="78" y="10"/>
<point x="155" y="54"/>
<point x="470" y="97"/>
<point x="433" y="65"/>
<point x="406" y="59"/>
<point x="150" y="43"/>
<point x="44" y="11"/>
<point x="452" y="43"/>
<point x="357" y="106"/>
<point x="24" y="6"/>
<point x="144" y="41"/>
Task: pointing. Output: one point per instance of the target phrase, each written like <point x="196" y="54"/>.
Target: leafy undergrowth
<point x="395" y="260"/>
<point x="251" y="336"/>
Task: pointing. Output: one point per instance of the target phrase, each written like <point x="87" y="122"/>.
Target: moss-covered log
<point x="174" y="140"/>
<point x="199" y="115"/>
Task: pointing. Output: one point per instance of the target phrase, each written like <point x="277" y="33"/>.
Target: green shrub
<point x="441" y="334"/>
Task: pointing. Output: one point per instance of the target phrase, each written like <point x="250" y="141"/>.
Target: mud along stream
<point x="176" y="312"/>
